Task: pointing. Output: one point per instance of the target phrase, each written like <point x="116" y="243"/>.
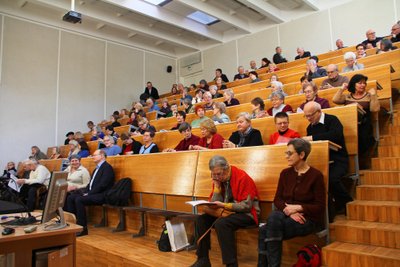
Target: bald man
<point x="395" y="32"/>
<point x="372" y="40"/>
<point x="328" y="127"/>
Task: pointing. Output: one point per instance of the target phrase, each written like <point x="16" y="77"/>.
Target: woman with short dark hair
<point x="296" y="214"/>
<point x="258" y="108"/>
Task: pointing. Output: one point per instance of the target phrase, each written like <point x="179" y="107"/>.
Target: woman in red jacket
<point x="210" y="139"/>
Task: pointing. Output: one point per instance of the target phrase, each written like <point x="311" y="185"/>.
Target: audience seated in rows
<point x="360" y="51"/>
<point x="278" y="57"/>
<point x="219" y="74"/>
<point x="311" y="94"/>
<point x="219" y="113"/>
<point x="351" y="62"/>
<point x="198" y="98"/>
<point x="114" y="120"/>
<point x="129" y="145"/>
<point x="124" y="114"/>
<point x="371" y="41"/>
<point x="313" y="71"/>
<point x="234" y="190"/>
<point x="143" y="126"/>
<point x="150" y="103"/>
<point x="339" y="44"/>
<point x="9" y="170"/>
<point x="272" y="68"/>
<point x="203" y="85"/>
<point x="254" y="77"/>
<point x="90" y="125"/>
<point x="296" y="214"/>
<point x="97" y="133"/>
<point x="180" y="118"/>
<point x="73" y="148"/>
<point x="276" y="86"/>
<point x="386" y="46"/>
<point x="151" y="91"/>
<point x="70" y="136"/>
<point x="334" y="78"/>
<point x="278" y="104"/>
<point x="37" y="154"/>
<point x="283" y="134"/>
<point x="369" y="103"/>
<point x="148" y="145"/>
<point x="186" y="95"/>
<point x="220" y="84"/>
<point x="253" y="66"/>
<point x="245" y="135"/>
<point x="214" y="92"/>
<point x="210" y="139"/>
<point x="258" y="107"/>
<point x="39" y="176"/>
<point x="200" y="112"/>
<point x="188" y="140"/>
<point x="230" y="99"/>
<point x="241" y="74"/>
<point x="109" y="130"/>
<point x="301" y="53"/>
<point x="94" y="193"/>
<point x="188" y="106"/>
<point x="328" y="127"/>
<point x="78" y="175"/>
<point x="207" y="97"/>
<point x="395" y="32"/>
<point x="174" y="89"/>
<point x="111" y="148"/>
<point x="83" y="149"/>
<point x="265" y="63"/>
<point x="164" y="110"/>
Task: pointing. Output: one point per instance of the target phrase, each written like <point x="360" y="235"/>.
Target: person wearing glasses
<point x="148" y="145"/>
<point x="328" y="127"/>
<point x="210" y="138"/>
<point x="283" y="133"/>
<point x="310" y="91"/>
<point x="296" y="214"/>
<point x="395" y="32"/>
<point x="234" y="190"/>
<point x="371" y="41"/>
<point x="111" y="149"/>
<point x="334" y="78"/>
<point x="94" y="193"/>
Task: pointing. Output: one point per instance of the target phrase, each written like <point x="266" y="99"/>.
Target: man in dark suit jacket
<point x="94" y="194"/>
<point x="151" y="91"/>
<point x="328" y="127"/>
<point x="301" y="53"/>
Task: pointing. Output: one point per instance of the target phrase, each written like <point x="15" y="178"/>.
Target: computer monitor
<point x="55" y="200"/>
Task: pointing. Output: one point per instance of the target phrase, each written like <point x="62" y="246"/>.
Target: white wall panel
<point x="81" y="82"/>
<point x="28" y="89"/>
<point x="311" y="32"/>
<point x="156" y="72"/>
<point x="124" y="76"/>
<point x="223" y="57"/>
<point x="352" y="20"/>
<point x="257" y="46"/>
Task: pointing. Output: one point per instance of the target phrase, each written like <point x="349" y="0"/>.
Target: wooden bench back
<point x="52" y="164"/>
<point x="263" y="164"/>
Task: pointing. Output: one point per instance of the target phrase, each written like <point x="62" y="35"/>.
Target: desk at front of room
<point x="18" y="248"/>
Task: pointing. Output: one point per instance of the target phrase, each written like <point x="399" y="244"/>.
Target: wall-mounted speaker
<point x="169" y="68"/>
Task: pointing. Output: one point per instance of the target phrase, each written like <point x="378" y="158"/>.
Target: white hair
<point x="278" y="85"/>
<point x="349" y="55"/>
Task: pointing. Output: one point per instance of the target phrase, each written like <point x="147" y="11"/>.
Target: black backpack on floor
<point x="120" y="193"/>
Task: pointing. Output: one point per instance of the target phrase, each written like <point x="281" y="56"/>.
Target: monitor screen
<point x="55" y="200"/>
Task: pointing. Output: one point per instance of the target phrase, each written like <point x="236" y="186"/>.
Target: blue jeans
<point x="279" y="227"/>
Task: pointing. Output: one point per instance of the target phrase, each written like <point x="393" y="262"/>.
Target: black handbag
<point x="163" y="243"/>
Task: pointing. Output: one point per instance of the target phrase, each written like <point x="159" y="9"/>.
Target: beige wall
<point x="317" y="33"/>
<point x="54" y="81"/>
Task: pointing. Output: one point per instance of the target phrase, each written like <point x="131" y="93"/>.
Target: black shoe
<point x="202" y="262"/>
<point x="82" y="233"/>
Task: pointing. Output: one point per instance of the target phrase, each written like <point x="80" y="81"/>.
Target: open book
<point x="200" y="202"/>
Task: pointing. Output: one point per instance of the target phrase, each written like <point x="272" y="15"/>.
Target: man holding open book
<point x="233" y="190"/>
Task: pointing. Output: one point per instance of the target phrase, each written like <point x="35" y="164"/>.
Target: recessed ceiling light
<point x="203" y="18"/>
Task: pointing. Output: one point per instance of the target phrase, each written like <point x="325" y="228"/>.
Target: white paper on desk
<point x="13" y="183"/>
<point x="195" y="203"/>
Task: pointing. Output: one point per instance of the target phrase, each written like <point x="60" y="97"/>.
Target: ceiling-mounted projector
<point x="73" y="17"/>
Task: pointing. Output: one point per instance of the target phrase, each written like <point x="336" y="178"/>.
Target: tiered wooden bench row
<point x="166" y="181"/>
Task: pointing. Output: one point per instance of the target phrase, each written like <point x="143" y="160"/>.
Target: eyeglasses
<point x="289" y="153"/>
<point x="310" y="115"/>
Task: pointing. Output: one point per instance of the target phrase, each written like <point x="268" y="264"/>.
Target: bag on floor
<point x="309" y="256"/>
<point x="163" y="243"/>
